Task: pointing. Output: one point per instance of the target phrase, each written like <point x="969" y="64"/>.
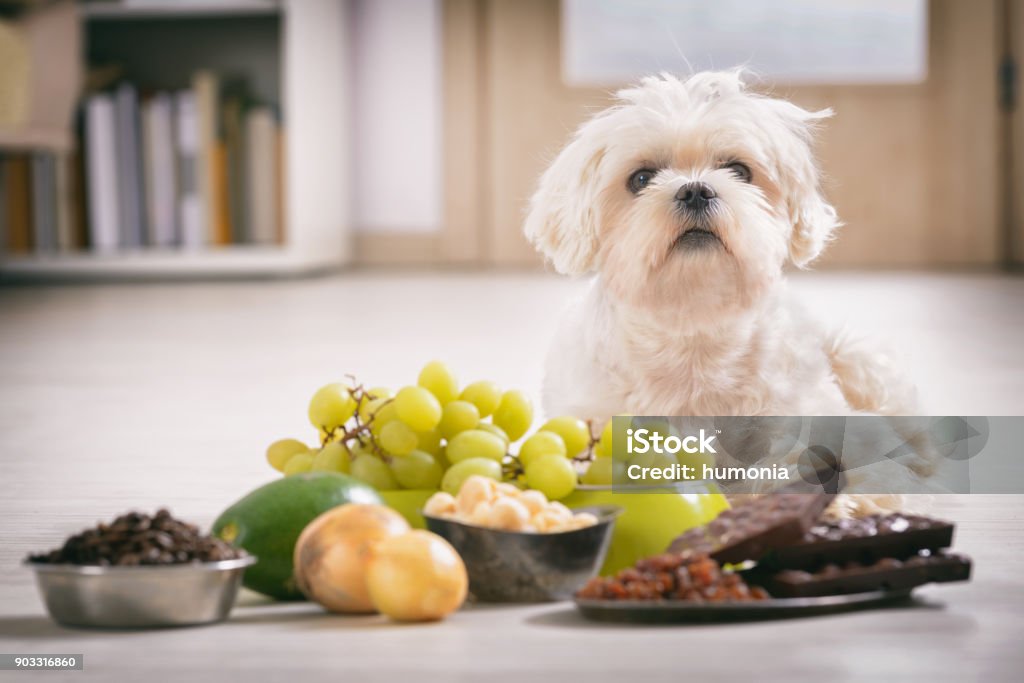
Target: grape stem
<point x="511" y="467"/>
<point x="360" y="431"/>
<point x="587" y="454"/>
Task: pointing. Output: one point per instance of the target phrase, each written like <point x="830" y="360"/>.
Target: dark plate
<point x="666" y="612"/>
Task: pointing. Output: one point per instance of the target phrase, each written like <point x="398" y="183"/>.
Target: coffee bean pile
<point x="140" y="539"/>
<point x="693" y="577"/>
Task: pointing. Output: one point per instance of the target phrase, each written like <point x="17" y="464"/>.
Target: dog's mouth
<point x="698" y="238"/>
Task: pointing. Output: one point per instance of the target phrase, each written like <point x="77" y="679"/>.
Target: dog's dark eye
<point x="741" y="170"/>
<point x="640" y="179"/>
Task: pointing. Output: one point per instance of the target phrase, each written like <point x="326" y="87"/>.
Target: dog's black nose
<point x="695" y="196"/>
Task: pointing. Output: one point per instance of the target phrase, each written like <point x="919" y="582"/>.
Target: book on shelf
<point x="101" y="173"/>
<point x="154" y="169"/>
<point x="64" y="202"/>
<point x="17" y="203"/>
<point x="3" y="204"/>
<point x="232" y="115"/>
<point x="191" y="215"/>
<point x="77" y="202"/>
<point x="160" y="170"/>
<point x="279" y="188"/>
<point x="211" y="165"/>
<point x="44" y="200"/>
<point x="217" y="160"/>
<point x="37" y="203"/>
<point x="238" y="170"/>
<point x="129" y="167"/>
<point x="261" y="175"/>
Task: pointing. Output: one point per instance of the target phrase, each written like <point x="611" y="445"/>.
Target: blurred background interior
<point x="172" y="171"/>
<point x="163" y="138"/>
<point x="223" y="148"/>
<point x="210" y="208"/>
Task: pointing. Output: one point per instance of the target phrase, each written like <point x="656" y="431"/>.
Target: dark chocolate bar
<point x="748" y="531"/>
<point x="885" y="574"/>
<point x="864" y="540"/>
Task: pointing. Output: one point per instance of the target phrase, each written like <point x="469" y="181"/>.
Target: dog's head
<point x="692" y="192"/>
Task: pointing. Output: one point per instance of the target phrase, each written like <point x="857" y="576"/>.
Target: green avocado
<point x="267" y="523"/>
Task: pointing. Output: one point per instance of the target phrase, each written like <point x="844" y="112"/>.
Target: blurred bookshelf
<point x="209" y="138"/>
<point x="177" y="10"/>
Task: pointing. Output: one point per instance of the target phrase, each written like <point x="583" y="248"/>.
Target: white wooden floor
<point x="118" y="397"/>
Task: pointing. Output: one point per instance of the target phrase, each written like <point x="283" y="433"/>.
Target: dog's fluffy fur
<point x="672" y="326"/>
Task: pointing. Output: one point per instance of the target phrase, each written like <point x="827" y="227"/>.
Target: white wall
<point x="610" y="42"/>
<point x="319" y="183"/>
<point x="397" y="115"/>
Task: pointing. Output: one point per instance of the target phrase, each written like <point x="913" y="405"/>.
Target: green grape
<point x="279" y="452"/>
<point x="442" y="457"/>
<point x="396" y="438"/>
<point x="604" y="472"/>
<point x="485" y="395"/>
<point x="417" y="470"/>
<point x="541" y="443"/>
<point x="514" y="414"/>
<point x="461" y="471"/>
<point x="332" y="458"/>
<point x="574" y="432"/>
<point x="458" y="416"/>
<point x="494" y="429"/>
<point x="418" y="408"/>
<point x="357" y="448"/>
<point x="437" y="378"/>
<point x="378" y="393"/>
<point x="298" y="463"/>
<point x="606" y="443"/>
<point x="386" y="413"/>
<point x="603" y="446"/>
<point x="353" y="449"/>
<point x="372" y="470"/>
<point x="552" y="475"/>
<point x="368" y="408"/>
<point x="475" y="443"/>
<point x="429" y="442"/>
<point x="331" y="406"/>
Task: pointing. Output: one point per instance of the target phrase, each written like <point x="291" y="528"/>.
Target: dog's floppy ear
<point x="564" y="217"/>
<point x="814" y="220"/>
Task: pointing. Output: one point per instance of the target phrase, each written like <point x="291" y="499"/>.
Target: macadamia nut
<point x="440" y="504"/>
<point x="474" y="491"/>
<point x="484" y="502"/>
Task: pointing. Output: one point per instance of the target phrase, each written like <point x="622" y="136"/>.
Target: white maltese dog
<point x="688" y="199"/>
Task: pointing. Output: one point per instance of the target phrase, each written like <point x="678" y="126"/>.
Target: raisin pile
<point x="136" y="539"/>
<point x="684" y="576"/>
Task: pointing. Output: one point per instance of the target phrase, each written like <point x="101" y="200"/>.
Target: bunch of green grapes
<point x="435" y="435"/>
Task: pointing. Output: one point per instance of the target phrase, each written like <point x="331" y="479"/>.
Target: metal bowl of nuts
<point x="140" y="571"/>
<point x="544" y="553"/>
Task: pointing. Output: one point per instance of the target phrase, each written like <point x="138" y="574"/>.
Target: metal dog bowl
<point x="511" y="566"/>
<point x="144" y="596"/>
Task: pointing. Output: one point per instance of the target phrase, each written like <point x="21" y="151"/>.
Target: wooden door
<point x="1013" y="167"/>
<point x="913" y="170"/>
